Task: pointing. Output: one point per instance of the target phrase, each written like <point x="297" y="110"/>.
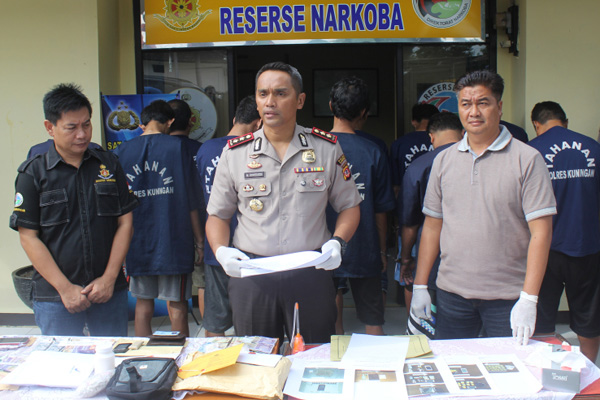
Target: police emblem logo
<point x="124" y="117"/>
<point x="104" y="173"/>
<point x="254" y="164"/>
<point x="441" y="95"/>
<point x="256" y="205"/>
<point x="182" y="15"/>
<point x="248" y="188"/>
<point x="308" y="156"/>
<point x="318" y="182"/>
<point x="442" y="13"/>
<point x="346" y="172"/>
<point x="18" y="199"/>
<point x="262" y="187"/>
<point x="303" y="140"/>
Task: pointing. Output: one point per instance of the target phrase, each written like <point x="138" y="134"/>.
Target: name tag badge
<point x="254" y="175"/>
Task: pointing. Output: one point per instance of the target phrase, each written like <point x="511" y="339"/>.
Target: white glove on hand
<point x="420" y="305"/>
<point x="229" y="258"/>
<point x="336" y="255"/>
<point x="522" y="318"/>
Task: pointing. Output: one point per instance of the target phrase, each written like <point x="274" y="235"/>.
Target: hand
<point x="336" y="255"/>
<point x="199" y="255"/>
<point x="100" y="290"/>
<point x="229" y="258"/>
<point x="73" y="300"/>
<point x="420" y="304"/>
<point x="406" y="272"/>
<point x="522" y="318"/>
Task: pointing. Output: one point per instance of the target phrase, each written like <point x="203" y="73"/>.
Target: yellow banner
<point x="231" y="22"/>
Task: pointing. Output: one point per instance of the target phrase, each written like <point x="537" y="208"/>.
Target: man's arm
<point x="44" y="263"/>
<point x="429" y="248"/>
<point x="198" y="234"/>
<point x="537" y="254"/>
<point x="381" y="224"/>
<point x="217" y="232"/>
<point x="100" y="290"/>
<point x="407" y="263"/>
<point x="347" y="222"/>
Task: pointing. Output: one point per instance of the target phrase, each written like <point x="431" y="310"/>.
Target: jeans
<point x="102" y="319"/>
<point x="459" y="318"/>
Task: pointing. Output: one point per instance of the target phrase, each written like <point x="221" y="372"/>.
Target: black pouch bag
<point x="143" y="378"/>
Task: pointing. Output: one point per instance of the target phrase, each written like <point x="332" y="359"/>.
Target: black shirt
<point x="75" y="211"/>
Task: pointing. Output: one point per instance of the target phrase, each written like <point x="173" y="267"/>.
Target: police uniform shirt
<point x="571" y="159"/>
<point x="75" y="211"/>
<point x="371" y="175"/>
<point x="207" y="160"/>
<point x="160" y="172"/>
<point x="281" y="204"/>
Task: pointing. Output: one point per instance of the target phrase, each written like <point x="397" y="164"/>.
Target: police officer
<point x="279" y="180"/>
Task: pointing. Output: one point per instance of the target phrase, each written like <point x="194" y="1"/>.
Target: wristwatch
<point x="342" y="243"/>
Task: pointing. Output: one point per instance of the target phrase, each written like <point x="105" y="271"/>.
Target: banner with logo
<point x="121" y="115"/>
<point x="191" y="23"/>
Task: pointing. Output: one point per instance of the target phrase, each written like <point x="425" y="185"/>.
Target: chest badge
<point x="254" y="164"/>
<point x="308" y="156"/>
<point x="104" y="173"/>
<point x="256" y="205"/>
<point x="262" y="187"/>
<point x="318" y="182"/>
<point x="248" y="188"/>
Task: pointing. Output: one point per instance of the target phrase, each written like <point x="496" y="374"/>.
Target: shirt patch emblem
<point x="18" y="199"/>
<point x="308" y="156"/>
<point x="254" y="164"/>
<point x="341" y="160"/>
<point x="318" y="182"/>
<point x="254" y="175"/>
<point x="104" y="173"/>
<point x="248" y="188"/>
<point x="346" y="172"/>
<point x="257" y="144"/>
<point x="308" y="169"/>
<point x="303" y="140"/>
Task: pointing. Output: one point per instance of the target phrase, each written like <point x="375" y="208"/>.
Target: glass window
<point x="200" y="76"/>
<point x="430" y="71"/>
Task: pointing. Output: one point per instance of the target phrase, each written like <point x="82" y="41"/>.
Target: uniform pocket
<point x="54" y="207"/>
<point x="107" y="199"/>
<point x="312" y="190"/>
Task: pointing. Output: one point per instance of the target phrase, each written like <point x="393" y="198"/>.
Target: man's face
<point x="72" y="133"/>
<point x="276" y="99"/>
<point x="479" y="111"/>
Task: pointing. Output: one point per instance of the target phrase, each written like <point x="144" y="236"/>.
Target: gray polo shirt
<point x="485" y="202"/>
<point x="292" y="194"/>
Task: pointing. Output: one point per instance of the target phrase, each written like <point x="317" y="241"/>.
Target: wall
<point x="558" y="60"/>
<point x="56" y="41"/>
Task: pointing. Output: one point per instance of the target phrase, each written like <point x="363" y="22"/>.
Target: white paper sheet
<point x="376" y="350"/>
<point x="266" y="360"/>
<point x="53" y="369"/>
<point x="284" y="262"/>
<point x="314" y="380"/>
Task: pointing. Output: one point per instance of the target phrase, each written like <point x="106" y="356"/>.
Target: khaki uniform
<point x="281" y="209"/>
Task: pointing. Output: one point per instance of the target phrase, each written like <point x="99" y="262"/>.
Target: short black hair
<point x="421" y="111"/>
<point x="443" y="121"/>
<point x="349" y="97"/>
<point x="281" y="66"/>
<point x="62" y="98"/>
<point x="183" y="113"/>
<point x="547" y="110"/>
<point x="489" y="79"/>
<point x="246" y="111"/>
<point x="158" y="110"/>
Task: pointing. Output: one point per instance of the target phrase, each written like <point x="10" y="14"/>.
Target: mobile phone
<point x="166" y="333"/>
<point x="121" y="348"/>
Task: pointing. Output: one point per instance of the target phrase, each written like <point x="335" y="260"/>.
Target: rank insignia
<point x="303" y="140"/>
<point x="248" y="188"/>
<point x="231" y="143"/>
<point x="262" y="187"/>
<point x="324" y="135"/>
<point x="341" y="160"/>
<point x="256" y="205"/>
<point x="318" y="182"/>
<point x="254" y="164"/>
<point x="308" y="169"/>
<point x="308" y="156"/>
<point x="257" y="144"/>
<point x="104" y="173"/>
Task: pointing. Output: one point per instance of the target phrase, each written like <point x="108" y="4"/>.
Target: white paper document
<point x="376" y="350"/>
<point x="314" y="380"/>
<point x="284" y="262"/>
<point x="53" y="369"/>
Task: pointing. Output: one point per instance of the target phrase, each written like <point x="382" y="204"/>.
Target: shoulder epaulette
<point x="324" y="135"/>
<point x="237" y="141"/>
<point x="26" y="163"/>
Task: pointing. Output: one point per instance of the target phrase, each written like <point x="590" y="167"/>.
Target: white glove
<point x="522" y="317"/>
<point x="336" y="255"/>
<point x="229" y="258"/>
<point x="420" y="305"/>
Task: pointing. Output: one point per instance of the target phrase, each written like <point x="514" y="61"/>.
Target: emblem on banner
<point x="123" y="118"/>
<point x="442" y="13"/>
<point x="182" y="15"/>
